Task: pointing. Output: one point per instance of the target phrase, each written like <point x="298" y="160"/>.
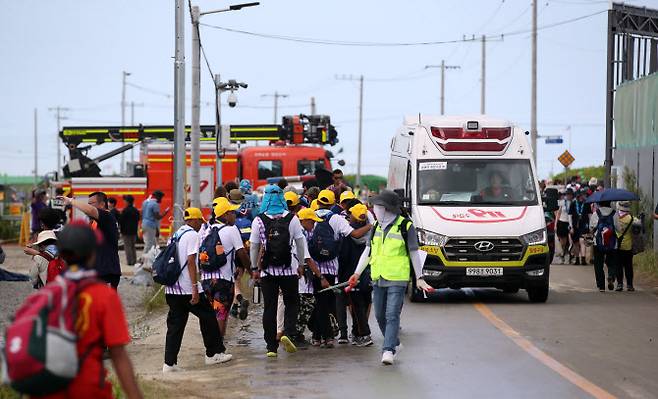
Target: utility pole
<point x="132" y="123"/>
<point x="276" y="96"/>
<point x="484" y="74"/>
<point x="443" y="67"/>
<point x="195" y="135"/>
<point x="358" y="155"/>
<point x="36" y="155"/>
<point x="124" y="74"/>
<point x="179" y="116"/>
<point x="533" y="94"/>
<point x="58" y="115"/>
<point x="313" y="109"/>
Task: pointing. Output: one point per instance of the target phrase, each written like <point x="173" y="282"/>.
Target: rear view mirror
<point x="550" y="199"/>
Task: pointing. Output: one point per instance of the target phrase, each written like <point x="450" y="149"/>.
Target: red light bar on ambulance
<point x="456" y="139"/>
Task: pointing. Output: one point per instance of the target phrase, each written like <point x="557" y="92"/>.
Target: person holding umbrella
<point x="605" y="225"/>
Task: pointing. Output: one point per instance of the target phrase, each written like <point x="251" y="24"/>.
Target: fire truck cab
<point x="470" y="186"/>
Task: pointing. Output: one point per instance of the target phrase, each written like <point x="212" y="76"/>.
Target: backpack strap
<point x="404" y="232"/>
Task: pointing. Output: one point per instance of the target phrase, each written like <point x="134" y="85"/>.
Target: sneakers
<point x="244" y="307"/>
<point x="388" y="358"/>
<point x="287" y="344"/>
<point x="611" y="284"/>
<point x="343" y="340"/>
<point x="316" y="342"/>
<point x="234" y="310"/>
<point x="630" y="289"/>
<point x="365" y="341"/>
<point x="271" y="354"/>
<point x="620" y="288"/>
<point x="577" y="261"/>
<point x="356" y="340"/>
<point x="171" y="369"/>
<point x="218" y="358"/>
<point x="328" y="344"/>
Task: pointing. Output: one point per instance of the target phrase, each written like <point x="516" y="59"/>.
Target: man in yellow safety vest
<point x="391" y="252"/>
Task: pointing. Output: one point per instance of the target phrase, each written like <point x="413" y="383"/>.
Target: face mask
<point x="379" y="212"/>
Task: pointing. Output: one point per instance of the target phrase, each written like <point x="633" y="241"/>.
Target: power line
<point x="331" y="42"/>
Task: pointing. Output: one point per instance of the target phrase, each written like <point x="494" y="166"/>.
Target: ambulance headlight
<point x="535" y="238"/>
<point x="429" y="238"/>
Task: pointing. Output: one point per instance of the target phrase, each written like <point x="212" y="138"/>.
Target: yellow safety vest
<point x="388" y="255"/>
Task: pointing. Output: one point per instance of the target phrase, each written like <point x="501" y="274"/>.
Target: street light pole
<point x="179" y="116"/>
<point x="443" y="67"/>
<point x="58" y="115"/>
<point x="484" y="75"/>
<point x="195" y="135"/>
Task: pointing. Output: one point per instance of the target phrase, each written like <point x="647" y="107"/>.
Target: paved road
<point x="469" y="343"/>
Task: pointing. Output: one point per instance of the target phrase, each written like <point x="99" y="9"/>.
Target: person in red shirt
<point x="100" y="322"/>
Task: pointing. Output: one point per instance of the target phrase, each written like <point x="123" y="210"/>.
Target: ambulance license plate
<point x="484" y="271"/>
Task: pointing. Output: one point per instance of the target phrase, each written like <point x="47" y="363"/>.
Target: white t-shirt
<point x="232" y="242"/>
<point x="565" y="204"/>
<point x="258" y="237"/>
<point x="187" y="245"/>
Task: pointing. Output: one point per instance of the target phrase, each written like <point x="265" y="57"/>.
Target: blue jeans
<point x="388" y="306"/>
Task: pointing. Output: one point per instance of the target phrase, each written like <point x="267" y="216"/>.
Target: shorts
<point x="562" y="230"/>
<point x="220" y="295"/>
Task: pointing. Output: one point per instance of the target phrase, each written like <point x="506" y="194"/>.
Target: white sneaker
<point x="388" y="358"/>
<point x="171" y="369"/>
<point x="218" y="358"/>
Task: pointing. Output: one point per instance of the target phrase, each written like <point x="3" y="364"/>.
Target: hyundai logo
<point x="484" y="246"/>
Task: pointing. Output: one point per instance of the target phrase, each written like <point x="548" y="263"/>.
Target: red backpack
<point x="56" y="265"/>
<point x="40" y="353"/>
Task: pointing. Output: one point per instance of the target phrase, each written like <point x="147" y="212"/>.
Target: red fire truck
<point x="295" y="150"/>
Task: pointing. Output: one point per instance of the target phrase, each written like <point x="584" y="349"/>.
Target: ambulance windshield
<point x="459" y="182"/>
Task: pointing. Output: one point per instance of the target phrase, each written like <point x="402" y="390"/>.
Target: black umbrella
<point x="612" y="194"/>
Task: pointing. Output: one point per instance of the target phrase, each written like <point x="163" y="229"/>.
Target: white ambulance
<point x="471" y="189"/>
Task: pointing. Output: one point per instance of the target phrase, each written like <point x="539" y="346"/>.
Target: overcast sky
<point x="72" y="53"/>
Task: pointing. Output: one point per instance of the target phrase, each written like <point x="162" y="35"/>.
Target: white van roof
<point x="454" y="121"/>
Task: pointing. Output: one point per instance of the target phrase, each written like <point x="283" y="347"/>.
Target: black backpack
<point x="278" y="251"/>
<point x="209" y="261"/>
<point x="323" y="245"/>
<point x="166" y="267"/>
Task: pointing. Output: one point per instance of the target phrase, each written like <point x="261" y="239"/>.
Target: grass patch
<point x="7" y="393"/>
<point x="150" y="389"/>
<point x="647" y="263"/>
<point x="154" y="298"/>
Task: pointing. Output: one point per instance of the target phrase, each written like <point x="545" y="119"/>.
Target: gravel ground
<point x="12" y="294"/>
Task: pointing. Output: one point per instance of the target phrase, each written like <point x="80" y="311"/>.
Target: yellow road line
<point x="566" y="373"/>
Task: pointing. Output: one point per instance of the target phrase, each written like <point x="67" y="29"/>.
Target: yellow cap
<point x="215" y="201"/>
<point x="346" y="195"/>
<point x="359" y="211"/>
<point x="314" y="205"/>
<point x="193" y="213"/>
<point x="292" y="199"/>
<point x="308" y="214"/>
<point x="327" y="197"/>
<point x="223" y="206"/>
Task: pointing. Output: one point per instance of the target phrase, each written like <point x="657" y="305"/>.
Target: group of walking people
<point x="611" y="231"/>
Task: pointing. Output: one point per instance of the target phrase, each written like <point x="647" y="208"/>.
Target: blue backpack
<point x="166" y="267"/>
<point x="244" y="225"/>
<point x="209" y="261"/>
<point x="605" y="237"/>
<point x="323" y="245"/>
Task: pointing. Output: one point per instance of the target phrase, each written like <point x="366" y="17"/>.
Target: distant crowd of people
<point x="611" y="233"/>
